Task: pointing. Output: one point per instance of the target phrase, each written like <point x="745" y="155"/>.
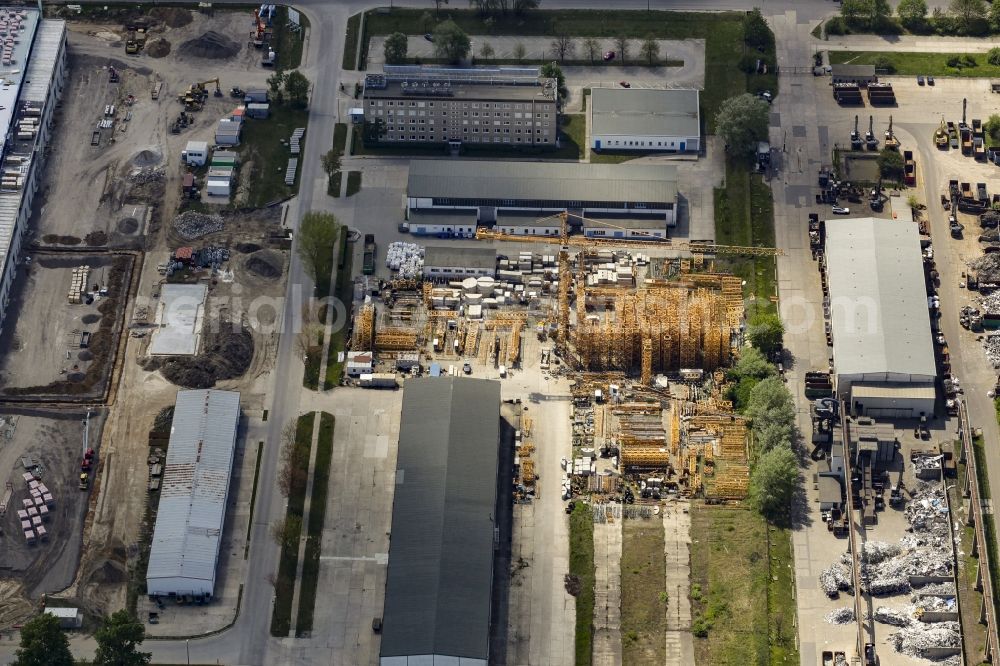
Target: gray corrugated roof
<point x="644" y="112"/>
<point x="545" y="181"/>
<point x="879" y="303"/>
<point x="466" y="257"/>
<point x="439" y="583"/>
<point x="195" y="486"/>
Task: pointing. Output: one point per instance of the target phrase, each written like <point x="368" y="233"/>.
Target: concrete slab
<point x="179" y="319"/>
<point x="608" y="593"/>
<point x="677" y="553"/>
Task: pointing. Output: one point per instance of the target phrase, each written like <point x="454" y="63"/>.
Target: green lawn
<point x="729" y="581"/>
<point x="353" y="183"/>
<point x="933" y="64"/>
<point x="722" y="32"/>
<point x="314" y="529"/>
<point x="313" y="361"/>
<point x="581" y="565"/>
<point x="286" y="42"/>
<point x="253" y="497"/>
<point x="969" y="598"/>
<point x="345" y="292"/>
<point x="781" y="597"/>
<point x="744" y="215"/>
<point x="339" y="143"/>
<point x="261" y="144"/>
<point x="644" y="600"/>
<point x="333" y="184"/>
<point x="284" y="584"/>
<point x="351" y="42"/>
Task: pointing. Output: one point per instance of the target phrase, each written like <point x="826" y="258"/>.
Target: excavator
<point x="194" y="97"/>
<point x="870" y="141"/>
<point x="941" y="135"/>
<point x="855" y="136"/>
<point x="260" y="34"/>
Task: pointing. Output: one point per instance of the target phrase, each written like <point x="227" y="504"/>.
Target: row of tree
<point x="452" y="44"/>
<point x="291" y="87"/>
<point x="118" y="639"/>
<point x="962" y="16"/>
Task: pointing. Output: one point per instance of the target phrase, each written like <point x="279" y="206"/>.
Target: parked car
<point x="920" y="80"/>
<point x="625" y="84"/>
<point x="930" y="80"/>
<point x="841" y="210"/>
<point x="467" y="369"/>
<point x="767" y="96"/>
<point x="609" y="55"/>
<point x="429" y="37"/>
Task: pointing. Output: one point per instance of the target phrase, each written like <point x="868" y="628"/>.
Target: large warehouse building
<point x="194" y="494"/>
<point x="33" y="56"/>
<point x="883" y="354"/>
<point x="492" y="192"/>
<point x="645" y="120"/>
<point x="439" y="584"/>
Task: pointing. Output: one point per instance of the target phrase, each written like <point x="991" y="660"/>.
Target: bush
<point x="993" y="56"/>
<point x="884" y="64"/>
<point x="964" y="61"/>
<point x="836" y="26"/>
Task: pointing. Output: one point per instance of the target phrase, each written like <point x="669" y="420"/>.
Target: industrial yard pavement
<point x="608" y="590"/>
<point x="677" y="552"/>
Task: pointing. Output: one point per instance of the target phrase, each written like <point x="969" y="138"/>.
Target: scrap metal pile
<point x="147" y="175"/>
<point x="841" y="616"/>
<point x="191" y="224"/>
<point x="987" y="267"/>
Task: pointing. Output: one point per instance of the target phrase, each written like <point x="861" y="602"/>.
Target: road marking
<point x="379" y="558"/>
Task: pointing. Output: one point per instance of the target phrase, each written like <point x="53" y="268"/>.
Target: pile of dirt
<point x="54" y="239"/>
<point x="227" y="354"/>
<point x="147" y="157"/>
<point x="172" y="17"/>
<point x="267" y="264"/>
<point x="212" y="45"/>
<point x="192" y="224"/>
<point x="96" y="238"/>
<point x="247" y="248"/>
<point x="90" y="318"/>
<point x="128" y="225"/>
<point x="85" y="355"/>
<point x="158" y="48"/>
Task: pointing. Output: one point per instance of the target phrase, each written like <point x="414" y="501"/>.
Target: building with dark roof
<point x="494" y="188"/>
<point x="439" y="583"/>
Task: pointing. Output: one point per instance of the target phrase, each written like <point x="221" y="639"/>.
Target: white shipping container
<point x="217" y="188"/>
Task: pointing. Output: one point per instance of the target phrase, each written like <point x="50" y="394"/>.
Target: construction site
<point x="118" y="228"/>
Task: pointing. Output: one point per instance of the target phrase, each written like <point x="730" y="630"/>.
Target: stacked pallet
<point x="78" y="284"/>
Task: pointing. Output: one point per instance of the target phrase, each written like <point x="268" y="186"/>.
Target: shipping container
<point x="218" y="188"/>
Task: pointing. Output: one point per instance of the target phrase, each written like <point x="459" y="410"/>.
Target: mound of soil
<point x="172" y="17"/>
<point x="75" y="377"/>
<point x="111" y="572"/>
<point x="90" y="318"/>
<point x="85" y="355"/>
<point x="96" y="238"/>
<point x="54" y="239"/>
<point x="267" y="264"/>
<point x="128" y="225"/>
<point x="227" y="354"/>
<point x="247" y="248"/>
<point x="211" y="45"/>
<point x="147" y="157"/>
<point x="157" y="48"/>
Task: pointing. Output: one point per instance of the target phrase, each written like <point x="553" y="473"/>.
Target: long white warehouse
<point x="194" y="494"/>
<point x="883" y="354"/>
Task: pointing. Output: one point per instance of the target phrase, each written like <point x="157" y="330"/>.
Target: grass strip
<point x="253" y="498"/>
<point x="581" y="566"/>
<point x="285" y="41"/>
<point x="351" y="42"/>
<point x="284" y="584"/>
<point x="314" y="529"/>
<point x="353" y="183"/>
<point x="973" y="65"/>
<point x="644" y="597"/>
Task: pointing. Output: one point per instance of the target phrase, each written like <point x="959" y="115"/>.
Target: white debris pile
<point x="991" y="344"/>
<point x="917" y="638"/>
<point x="835" y="578"/>
<point x="940" y="589"/>
<point x="147" y="175"/>
<point x="893" y="616"/>
<point x="873" y="552"/>
<point x="840" y="616"/>
<point x="407" y="258"/>
<point x="839" y="659"/>
<point x="931" y="602"/>
<point x="990" y="302"/>
<point x="191" y="224"/>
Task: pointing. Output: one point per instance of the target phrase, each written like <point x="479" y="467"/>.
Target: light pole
<point x="187" y="647"/>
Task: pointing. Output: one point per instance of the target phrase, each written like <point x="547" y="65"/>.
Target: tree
<point x="522" y="6"/>
<point x="912" y="12"/>
<point x="395" y="48"/>
<point x="331" y="162"/>
<point x="438" y="3"/>
<point x="650" y="50"/>
<point x="890" y="164"/>
<point x="967" y="13"/>
<point x="756" y="32"/>
<point x="43" y="643"/>
<point x="275" y="84"/>
<point x="742" y="122"/>
<point x="118" y="640"/>
<point x="884" y="65"/>
<point x="769" y="405"/>
<point x="752" y="364"/>
<point x="317" y="234"/>
<point x="519" y="51"/>
<point x="994" y="16"/>
<point x="486" y="51"/>
<point x="621" y="41"/>
<point x="993" y="56"/>
<point x="992" y="129"/>
<point x="772" y="483"/>
<point x="297" y="88"/>
<point x="553" y="71"/>
<point x="592" y="48"/>
<point x="286" y="532"/>
<point x="868" y="14"/>
<point x="563" y="46"/>
<point x="766" y="332"/>
<point x="450" y="42"/>
<point x="426" y="19"/>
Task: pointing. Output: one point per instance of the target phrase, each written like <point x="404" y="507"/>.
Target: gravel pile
<point x="191" y="225"/>
<point x="212" y="45"/>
